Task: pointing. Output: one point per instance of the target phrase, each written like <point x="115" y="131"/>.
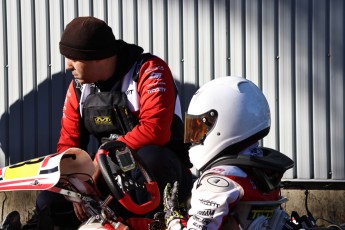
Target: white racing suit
<point x="225" y="197"/>
<point x="239" y="191"/>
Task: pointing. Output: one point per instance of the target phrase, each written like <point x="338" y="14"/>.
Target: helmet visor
<point x="196" y="127"/>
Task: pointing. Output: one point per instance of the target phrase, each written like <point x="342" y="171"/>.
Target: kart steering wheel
<point x="115" y="159"/>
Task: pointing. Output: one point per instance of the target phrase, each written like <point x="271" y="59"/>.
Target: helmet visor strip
<point x="198" y="126"/>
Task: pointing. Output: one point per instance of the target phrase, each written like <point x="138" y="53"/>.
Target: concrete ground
<point x="22" y="201"/>
<point x="325" y="205"/>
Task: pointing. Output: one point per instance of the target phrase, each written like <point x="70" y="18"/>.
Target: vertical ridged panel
<point x="236" y="37"/>
<point x="220" y="45"/>
<point x="337" y="85"/>
<point x="293" y="50"/>
<point x="3" y="87"/>
<point x="320" y="92"/>
<point x="159" y="24"/>
<point x="269" y="68"/>
<point x="43" y="78"/>
<point x="15" y="140"/>
<point x="190" y="59"/>
<point x="251" y="41"/>
<point x="204" y="17"/>
<point x="144" y="25"/>
<point x="303" y="101"/>
<point x="286" y="79"/>
<point x="129" y="21"/>
<point x="28" y="60"/>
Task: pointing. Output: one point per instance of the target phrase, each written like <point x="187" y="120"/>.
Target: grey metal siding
<point x="292" y="49"/>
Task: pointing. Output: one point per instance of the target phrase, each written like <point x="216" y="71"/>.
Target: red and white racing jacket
<point x="217" y="196"/>
<point x="150" y="99"/>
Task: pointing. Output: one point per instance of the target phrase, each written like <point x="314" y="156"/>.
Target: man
<point x="118" y="93"/>
<point x="239" y="182"/>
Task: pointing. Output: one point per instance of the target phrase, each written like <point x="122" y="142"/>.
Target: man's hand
<point x="171" y="203"/>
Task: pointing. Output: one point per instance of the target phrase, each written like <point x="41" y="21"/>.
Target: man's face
<point x="83" y="71"/>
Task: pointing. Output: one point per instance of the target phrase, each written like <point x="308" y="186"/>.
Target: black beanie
<point x="87" y="38"/>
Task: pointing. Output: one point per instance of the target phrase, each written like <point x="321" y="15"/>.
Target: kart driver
<point x="239" y="182"/>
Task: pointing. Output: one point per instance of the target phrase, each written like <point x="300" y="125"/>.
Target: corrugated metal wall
<point x="293" y="49"/>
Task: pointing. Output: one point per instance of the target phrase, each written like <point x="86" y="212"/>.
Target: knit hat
<point x="88" y="38"/>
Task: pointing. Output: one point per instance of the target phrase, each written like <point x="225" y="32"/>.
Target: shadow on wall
<point x="30" y="127"/>
<point x="186" y="92"/>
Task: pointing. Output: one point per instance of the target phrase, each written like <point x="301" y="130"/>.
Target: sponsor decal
<point x="199" y="226"/>
<point x="215" y="183"/>
<point x="155" y="75"/>
<point x="257" y="211"/>
<point x="204" y="221"/>
<point x="158" y="89"/>
<point x="218" y="181"/>
<point x="209" y="203"/>
<point x="129" y="92"/>
<point x="23" y="169"/>
<point x="102" y="120"/>
<point x="153" y="68"/>
<point x="156" y="83"/>
<point x="217" y="170"/>
<point x="206" y="212"/>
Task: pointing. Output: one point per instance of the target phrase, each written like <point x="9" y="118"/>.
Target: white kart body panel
<point x="44" y="172"/>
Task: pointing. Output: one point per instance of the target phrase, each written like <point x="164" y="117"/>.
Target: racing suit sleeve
<point x="70" y="133"/>
<point x="212" y="197"/>
<point x="157" y="94"/>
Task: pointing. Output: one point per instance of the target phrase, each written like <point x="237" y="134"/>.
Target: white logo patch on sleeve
<point x="215" y="183"/>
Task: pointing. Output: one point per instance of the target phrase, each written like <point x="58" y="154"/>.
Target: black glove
<point x="171" y="204"/>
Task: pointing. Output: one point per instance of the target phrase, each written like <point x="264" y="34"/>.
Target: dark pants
<point x="162" y="162"/>
<point x="166" y="167"/>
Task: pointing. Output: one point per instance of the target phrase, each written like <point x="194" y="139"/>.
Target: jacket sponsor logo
<point x="158" y="89"/>
<point x="129" y="92"/>
<point x="153" y="68"/>
<point x="155" y="75"/>
<point x="156" y="83"/>
<point x="102" y="120"/>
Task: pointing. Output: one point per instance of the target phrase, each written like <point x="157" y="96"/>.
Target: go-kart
<point x="70" y="173"/>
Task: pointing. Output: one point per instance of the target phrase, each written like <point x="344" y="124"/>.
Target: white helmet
<point x="224" y="112"/>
